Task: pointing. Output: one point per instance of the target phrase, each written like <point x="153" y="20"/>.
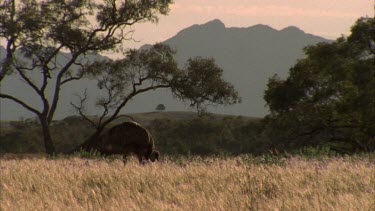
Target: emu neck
<point x="88" y="144"/>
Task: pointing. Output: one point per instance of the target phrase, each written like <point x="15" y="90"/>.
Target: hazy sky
<point x="326" y="18"/>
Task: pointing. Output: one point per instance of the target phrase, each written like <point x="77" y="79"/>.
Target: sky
<point x="329" y="19"/>
<point x="326" y="18"/>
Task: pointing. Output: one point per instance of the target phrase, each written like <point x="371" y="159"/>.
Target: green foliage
<point x="26" y="136"/>
<point x="202" y="81"/>
<point x="205" y="136"/>
<point x="328" y="97"/>
<point x="22" y="136"/>
<point x="316" y="152"/>
<point x="177" y="140"/>
<point x="160" y="107"/>
<point x="202" y="136"/>
<point x="86" y="154"/>
<point x="155" y="68"/>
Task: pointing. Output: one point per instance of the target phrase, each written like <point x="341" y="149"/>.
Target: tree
<point x="330" y="95"/>
<point x="160" y="107"/>
<point x="41" y="30"/>
<point x="141" y="71"/>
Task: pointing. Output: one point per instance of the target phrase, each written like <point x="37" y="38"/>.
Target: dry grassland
<point x="200" y="184"/>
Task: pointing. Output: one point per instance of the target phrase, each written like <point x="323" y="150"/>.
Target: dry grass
<point x="211" y="184"/>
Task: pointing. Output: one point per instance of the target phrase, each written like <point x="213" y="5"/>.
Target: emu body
<point x="124" y="139"/>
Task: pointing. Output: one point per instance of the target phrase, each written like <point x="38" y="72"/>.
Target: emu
<point x="124" y="139"/>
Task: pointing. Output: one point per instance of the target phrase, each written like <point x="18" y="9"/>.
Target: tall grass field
<point x="236" y="183"/>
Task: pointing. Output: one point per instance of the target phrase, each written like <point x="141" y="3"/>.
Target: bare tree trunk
<point x="48" y="144"/>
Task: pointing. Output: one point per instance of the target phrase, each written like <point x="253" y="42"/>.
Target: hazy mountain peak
<point x="214" y="26"/>
<point x="216" y="23"/>
<point x="292" y="29"/>
<point x="261" y="27"/>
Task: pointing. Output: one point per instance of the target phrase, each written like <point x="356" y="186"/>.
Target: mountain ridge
<point x="249" y="56"/>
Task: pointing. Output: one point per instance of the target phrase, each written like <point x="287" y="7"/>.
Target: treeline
<point x="204" y="136"/>
<point x="26" y="136"/>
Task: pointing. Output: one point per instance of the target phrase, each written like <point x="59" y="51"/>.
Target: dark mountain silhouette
<point x="249" y="56"/>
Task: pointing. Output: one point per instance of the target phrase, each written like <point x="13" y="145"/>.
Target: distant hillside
<point x="249" y="56"/>
<point x="146" y="118"/>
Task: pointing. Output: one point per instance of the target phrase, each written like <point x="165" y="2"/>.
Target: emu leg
<point x="125" y="158"/>
<point x="139" y="156"/>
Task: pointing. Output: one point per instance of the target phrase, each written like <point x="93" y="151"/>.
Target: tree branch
<point x="20" y="102"/>
<point x="80" y="108"/>
<point x="56" y="93"/>
<point x="10" y="48"/>
<point x="126" y="100"/>
<point x="123" y="115"/>
<point x="71" y="78"/>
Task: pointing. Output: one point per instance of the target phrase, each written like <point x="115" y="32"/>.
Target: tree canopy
<point x="160" y="107"/>
<point x="37" y="32"/>
<point x="199" y="82"/>
<point x="328" y="97"/>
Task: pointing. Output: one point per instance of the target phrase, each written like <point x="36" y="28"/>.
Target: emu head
<point x="154" y="156"/>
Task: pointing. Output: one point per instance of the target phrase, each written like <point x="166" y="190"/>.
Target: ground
<point x="234" y="183"/>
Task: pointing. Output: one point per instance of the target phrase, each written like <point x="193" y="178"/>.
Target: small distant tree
<point x="160" y="107"/>
<point x="141" y="71"/>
